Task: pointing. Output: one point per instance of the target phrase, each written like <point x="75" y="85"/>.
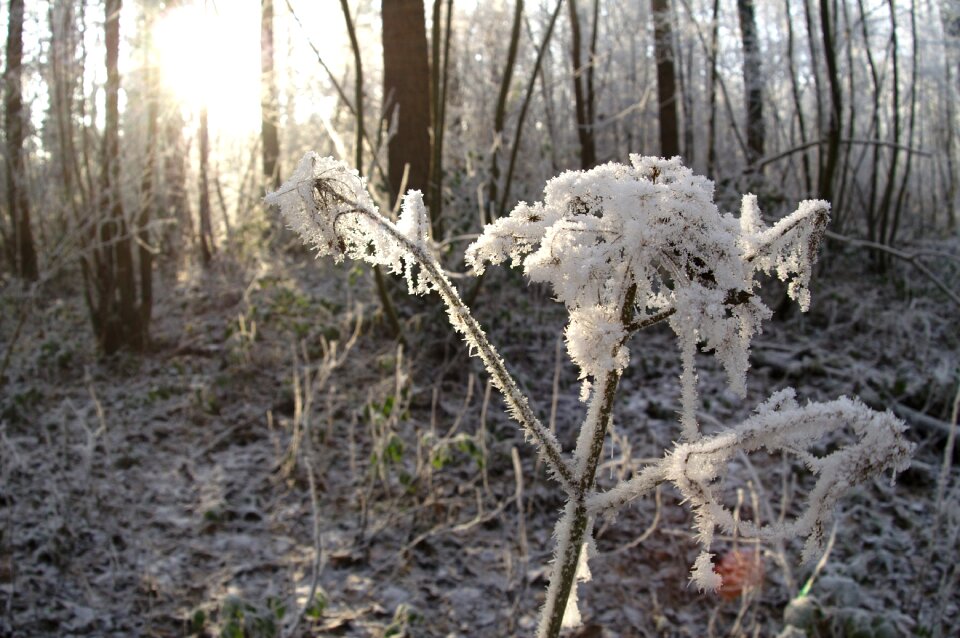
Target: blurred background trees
<point x="140" y="137"/>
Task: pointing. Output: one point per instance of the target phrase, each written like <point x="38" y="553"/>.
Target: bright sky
<point x="209" y="54"/>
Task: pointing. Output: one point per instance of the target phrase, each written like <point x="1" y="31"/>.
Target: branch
<point x="913" y="258"/>
<point x="762" y="162"/>
<point x="464" y="322"/>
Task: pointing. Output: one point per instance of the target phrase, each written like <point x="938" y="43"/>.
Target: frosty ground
<point x="212" y="486"/>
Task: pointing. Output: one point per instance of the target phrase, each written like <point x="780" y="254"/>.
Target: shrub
<point x="625" y="247"/>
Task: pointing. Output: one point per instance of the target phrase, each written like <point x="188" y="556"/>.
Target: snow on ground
<point x="170" y="495"/>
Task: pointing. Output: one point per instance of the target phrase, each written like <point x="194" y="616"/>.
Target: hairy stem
<point x="463" y="321"/>
<point x="573" y="525"/>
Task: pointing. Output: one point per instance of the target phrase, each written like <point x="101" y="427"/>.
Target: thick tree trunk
<point x="666" y="82"/>
<point x="20" y="247"/>
<point x="406" y="90"/>
<point x="269" y="108"/>
<point x="752" y="81"/>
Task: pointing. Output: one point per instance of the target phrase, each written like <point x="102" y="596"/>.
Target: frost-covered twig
<point x="326" y="202"/>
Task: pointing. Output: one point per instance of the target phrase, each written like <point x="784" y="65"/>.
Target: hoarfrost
<point x="653" y="227"/>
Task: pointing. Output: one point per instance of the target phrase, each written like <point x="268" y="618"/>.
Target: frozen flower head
<point x="316" y="202"/>
<point x="620" y="244"/>
<point x="327" y="204"/>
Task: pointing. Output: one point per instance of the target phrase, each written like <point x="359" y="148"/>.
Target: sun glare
<point x="209" y="55"/>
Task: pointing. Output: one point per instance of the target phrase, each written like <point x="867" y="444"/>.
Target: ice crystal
<point x="651" y="229"/>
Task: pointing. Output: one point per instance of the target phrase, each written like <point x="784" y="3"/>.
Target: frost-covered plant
<point x="625" y="247"/>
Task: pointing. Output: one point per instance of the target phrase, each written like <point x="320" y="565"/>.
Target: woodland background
<point x="204" y="431"/>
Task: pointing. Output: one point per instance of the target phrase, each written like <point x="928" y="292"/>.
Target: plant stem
<point x="574" y="523"/>
<point x="464" y="322"/>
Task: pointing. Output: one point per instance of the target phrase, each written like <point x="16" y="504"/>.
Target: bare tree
<point x="712" y="132"/>
<point x="439" y="75"/>
<point x="115" y="310"/>
<point x="206" y="228"/>
<point x="406" y="90"/>
<point x="666" y="82"/>
<point x="20" y="247"/>
<point x="828" y="174"/>
<point x="500" y="111"/>
<point x="269" y="109"/>
<point x="583" y="85"/>
<point x="797" y="101"/>
<point x="752" y="81"/>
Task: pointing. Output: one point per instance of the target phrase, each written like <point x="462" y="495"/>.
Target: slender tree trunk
<point x="847" y="175"/>
<point x="836" y="104"/>
<point x="148" y="198"/>
<point x="269" y="107"/>
<point x="206" y="228"/>
<point x="500" y="113"/>
<point x="951" y="36"/>
<point x="817" y="93"/>
<point x="357" y="86"/>
<point x="666" y="84"/>
<point x="406" y="90"/>
<point x="797" y="101"/>
<point x="752" y="82"/>
<point x="386" y="302"/>
<point x="712" y="132"/>
<point x="871" y="207"/>
<point x="914" y="80"/>
<point x="886" y="200"/>
<point x="439" y="69"/>
<point x="117" y="317"/>
<point x="583" y="96"/>
<point x="20" y="249"/>
<point x="684" y="68"/>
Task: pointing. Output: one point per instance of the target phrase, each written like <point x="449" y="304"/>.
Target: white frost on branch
<point x="623" y="247"/>
<point x="780" y="425"/>
<point x="326" y="202"/>
<point x="653" y="226"/>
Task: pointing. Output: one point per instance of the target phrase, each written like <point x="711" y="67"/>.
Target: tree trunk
<point x="817" y="94"/>
<point x="148" y="197"/>
<point x="406" y="90"/>
<point x="583" y="95"/>
<point x="269" y="107"/>
<point x="752" y="82"/>
<point x="20" y="248"/>
<point x="439" y="70"/>
<point x="206" y="229"/>
<point x="798" y="102"/>
<point x="951" y="34"/>
<point x="116" y="318"/>
<point x="666" y="83"/>
<point x="871" y="207"/>
<point x="500" y="113"/>
<point x="836" y="104"/>
<point x="887" y="200"/>
<point x="712" y="133"/>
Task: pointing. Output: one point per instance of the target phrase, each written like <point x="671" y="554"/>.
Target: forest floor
<point x="247" y="477"/>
